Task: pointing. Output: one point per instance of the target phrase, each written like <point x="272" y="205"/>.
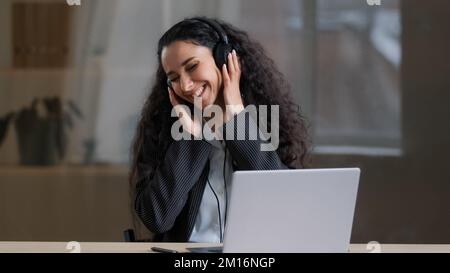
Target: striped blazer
<point x="169" y="201"/>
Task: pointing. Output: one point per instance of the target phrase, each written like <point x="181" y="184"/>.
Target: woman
<point x="180" y="186"/>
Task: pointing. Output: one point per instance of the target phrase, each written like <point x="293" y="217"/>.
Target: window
<point x="357" y="98"/>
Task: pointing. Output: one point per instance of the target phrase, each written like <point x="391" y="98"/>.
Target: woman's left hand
<point x="231" y="92"/>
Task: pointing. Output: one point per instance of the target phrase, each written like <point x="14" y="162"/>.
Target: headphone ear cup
<point x="169" y="83"/>
<point x="221" y="54"/>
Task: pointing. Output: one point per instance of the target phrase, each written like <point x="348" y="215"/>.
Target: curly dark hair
<point x="261" y="84"/>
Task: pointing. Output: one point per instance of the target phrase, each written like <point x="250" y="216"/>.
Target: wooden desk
<point x="60" y="247"/>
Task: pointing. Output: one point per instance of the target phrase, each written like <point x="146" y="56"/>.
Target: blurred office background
<point x="373" y="81"/>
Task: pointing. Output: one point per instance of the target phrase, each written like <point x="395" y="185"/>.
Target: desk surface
<point x="90" y="247"/>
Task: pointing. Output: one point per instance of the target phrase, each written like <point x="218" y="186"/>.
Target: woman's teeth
<point x="199" y="91"/>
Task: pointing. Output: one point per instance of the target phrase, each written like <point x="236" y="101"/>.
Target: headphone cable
<point x="218" y="207"/>
<point x="226" y="197"/>
<point x="225" y="185"/>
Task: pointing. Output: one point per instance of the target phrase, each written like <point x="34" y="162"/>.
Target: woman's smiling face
<point x="192" y="71"/>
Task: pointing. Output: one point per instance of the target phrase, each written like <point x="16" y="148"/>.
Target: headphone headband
<point x="219" y="30"/>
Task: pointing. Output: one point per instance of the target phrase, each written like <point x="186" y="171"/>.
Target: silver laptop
<point x="291" y="211"/>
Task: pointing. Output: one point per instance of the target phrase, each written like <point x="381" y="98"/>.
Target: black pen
<point x="163" y="250"/>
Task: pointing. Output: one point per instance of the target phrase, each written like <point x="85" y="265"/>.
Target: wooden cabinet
<point x="41" y="34"/>
<point x="64" y="203"/>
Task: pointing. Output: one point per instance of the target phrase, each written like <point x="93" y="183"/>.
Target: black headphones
<point x="221" y="49"/>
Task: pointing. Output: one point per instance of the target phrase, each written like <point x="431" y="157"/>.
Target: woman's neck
<point x="219" y="102"/>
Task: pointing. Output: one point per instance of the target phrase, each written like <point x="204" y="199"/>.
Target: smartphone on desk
<point x="162" y="250"/>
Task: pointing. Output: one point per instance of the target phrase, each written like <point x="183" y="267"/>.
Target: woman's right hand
<point x="189" y="124"/>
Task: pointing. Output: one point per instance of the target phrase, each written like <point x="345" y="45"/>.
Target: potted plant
<point x="42" y="137"/>
<point x="4" y="122"/>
